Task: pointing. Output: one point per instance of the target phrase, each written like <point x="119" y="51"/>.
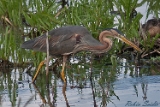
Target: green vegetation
<point x="26" y="19"/>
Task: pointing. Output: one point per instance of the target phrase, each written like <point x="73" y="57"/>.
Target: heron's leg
<point x="63" y="68"/>
<point x="37" y="72"/>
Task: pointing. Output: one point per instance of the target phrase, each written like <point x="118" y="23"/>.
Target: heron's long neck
<point x="107" y="43"/>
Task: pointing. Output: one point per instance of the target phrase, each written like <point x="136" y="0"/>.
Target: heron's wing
<point x="58" y="44"/>
<point x="64" y="40"/>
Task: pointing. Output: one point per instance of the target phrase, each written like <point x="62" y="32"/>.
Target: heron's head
<point x="112" y="32"/>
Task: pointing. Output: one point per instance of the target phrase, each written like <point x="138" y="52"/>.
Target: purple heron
<point x="69" y="40"/>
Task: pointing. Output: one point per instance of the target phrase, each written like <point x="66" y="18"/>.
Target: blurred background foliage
<point x="22" y="20"/>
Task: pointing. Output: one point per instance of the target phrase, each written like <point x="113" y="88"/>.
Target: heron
<point x="69" y="40"/>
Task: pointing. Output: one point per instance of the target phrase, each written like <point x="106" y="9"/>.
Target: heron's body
<point x="67" y="40"/>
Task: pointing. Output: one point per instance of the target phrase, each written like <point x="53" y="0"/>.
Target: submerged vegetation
<point x="21" y="20"/>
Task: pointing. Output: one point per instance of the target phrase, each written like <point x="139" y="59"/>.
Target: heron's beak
<point x="122" y="38"/>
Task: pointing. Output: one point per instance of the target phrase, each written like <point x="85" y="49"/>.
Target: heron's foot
<point x="63" y="76"/>
<point x="37" y="72"/>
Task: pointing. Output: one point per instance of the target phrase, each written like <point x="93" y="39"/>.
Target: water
<point x="140" y="90"/>
<point x="123" y="90"/>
